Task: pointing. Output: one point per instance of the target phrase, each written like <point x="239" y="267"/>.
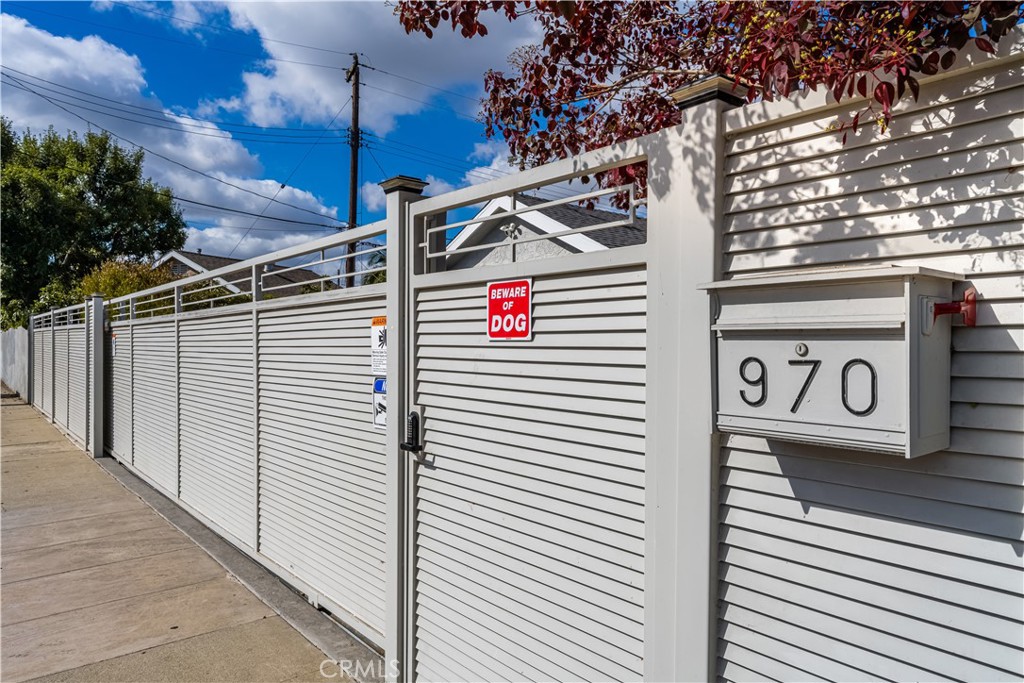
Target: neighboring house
<point x="504" y="231"/>
<point x="186" y="263"/>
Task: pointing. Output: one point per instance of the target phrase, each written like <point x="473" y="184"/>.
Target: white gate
<point x="527" y="501"/>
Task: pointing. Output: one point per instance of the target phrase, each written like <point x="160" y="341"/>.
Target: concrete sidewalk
<point x="97" y="587"/>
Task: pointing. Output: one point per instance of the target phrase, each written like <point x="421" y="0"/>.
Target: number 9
<point x="760" y="381"/>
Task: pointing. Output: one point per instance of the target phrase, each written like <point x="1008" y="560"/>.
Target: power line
<point x="263" y="38"/>
<point x="168" y="159"/>
<point x="426" y="85"/>
<point x="222" y="29"/>
<point x="246" y="227"/>
<point x="263" y="57"/>
<point x="288" y="179"/>
<point x="424" y="102"/>
<point x="374" y="157"/>
<point x="120" y="103"/>
<point x="483" y="173"/>
<point x="214" y="207"/>
<point x="425" y="150"/>
<point x="270" y="138"/>
<point x="342" y="139"/>
<point x="172" y="40"/>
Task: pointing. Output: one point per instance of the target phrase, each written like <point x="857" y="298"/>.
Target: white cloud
<point x="187" y="17"/>
<point x="225" y="240"/>
<point x="373" y="196"/>
<point x="92" y="65"/>
<point x="280" y="91"/>
<point x="494" y="156"/>
<point x="437" y="185"/>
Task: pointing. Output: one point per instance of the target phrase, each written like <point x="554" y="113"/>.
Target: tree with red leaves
<point x="603" y="71"/>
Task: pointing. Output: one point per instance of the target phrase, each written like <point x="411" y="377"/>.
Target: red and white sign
<point x="510" y="310"/>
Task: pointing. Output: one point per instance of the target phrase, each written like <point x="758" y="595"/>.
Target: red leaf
<point x="884" y="94"/>
<point x="984" y="45"/>
<point x="915" y="87"/>
<point x="948" y="59"/>
<point x="862" y="88"/>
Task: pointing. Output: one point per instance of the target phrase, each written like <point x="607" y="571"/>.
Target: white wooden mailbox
<point x="848" y="357"/>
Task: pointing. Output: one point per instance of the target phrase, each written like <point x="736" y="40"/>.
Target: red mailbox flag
<point x="510" y="310"/>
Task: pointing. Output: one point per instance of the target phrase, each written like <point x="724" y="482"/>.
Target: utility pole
<point x="354" y="140"/>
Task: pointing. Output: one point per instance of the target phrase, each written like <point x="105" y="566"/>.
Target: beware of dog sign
<point x="510" y="310"/>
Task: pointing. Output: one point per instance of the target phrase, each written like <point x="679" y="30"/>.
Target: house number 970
<point x="754" y="374"/>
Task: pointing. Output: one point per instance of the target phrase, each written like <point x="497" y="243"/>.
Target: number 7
<point x="815" y="364"/>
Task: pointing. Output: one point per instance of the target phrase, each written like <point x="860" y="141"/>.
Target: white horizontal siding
<point x="119" y="392"/>
<point x="40" y="365"/>
<point x="216" y="384"/>
<point x="529" y="509"/>
<point x="838" y="565"/>
<point x="321" y="468"/>
<point x="154" y="409"/>
<point x="60" y="376"/>
<point x="77" y="382"/>
<point x="90" y="381"/>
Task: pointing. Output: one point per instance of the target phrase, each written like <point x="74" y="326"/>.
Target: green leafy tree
<point x="112" y="278"/>
<point x="69" y="204"/>
<point x="118" y="278"/>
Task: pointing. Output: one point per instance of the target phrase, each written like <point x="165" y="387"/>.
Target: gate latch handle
<point x="412" y="434"/>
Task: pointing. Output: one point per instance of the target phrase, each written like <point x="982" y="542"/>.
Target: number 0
<point x="846" y="383"/>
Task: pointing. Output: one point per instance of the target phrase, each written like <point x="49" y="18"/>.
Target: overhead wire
<point x="246" y="227"/>
<point x="271" y="138"/>
<point x="30" y="7"/>
<point x="207" y="205"/>
<point x="481" y="172"/>
<point x="377" y="162"/>
<point x="423" y="154"/>
<point x="221" y="29"/>
<point x="334" y="67"/>
<point x="274" y="138"/>
<point x="451" y="110"/>
<point x="169" y="159"/>
<point x="290" y="176"/>
<point x="121" y="104"/>
<point x="425" y="85"/>
<point x="392" y="74"/>
<point x="138" y="8"/>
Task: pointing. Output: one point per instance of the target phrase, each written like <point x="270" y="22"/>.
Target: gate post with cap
<point x="684" y="240"/>
<point x="399" y="192"/>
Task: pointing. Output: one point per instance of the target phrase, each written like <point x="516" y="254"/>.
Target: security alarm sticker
<point x="510" y="310"/>
<point x="380" y="403"/>
<point x="379" y="345"/>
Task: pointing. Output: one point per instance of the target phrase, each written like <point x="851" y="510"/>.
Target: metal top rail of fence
<point x="439" y="241"/>
<point x="60" y="317"/>
<point x="628" y="219"/>
<point x="347" y="260"/>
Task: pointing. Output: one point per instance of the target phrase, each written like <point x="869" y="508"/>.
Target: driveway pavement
<point x="98" y="587"/>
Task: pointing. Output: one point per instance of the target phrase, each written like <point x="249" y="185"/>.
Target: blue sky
<point x="250" y="96"/>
